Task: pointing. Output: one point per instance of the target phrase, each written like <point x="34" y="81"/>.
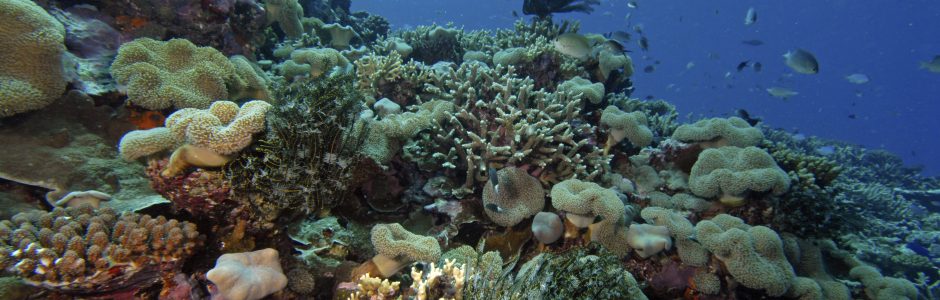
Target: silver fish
<point x="802" y="61"/>
<point x="751" y="17"/>
<point x="573" y="44"/>
<point x="857" y="78"/>
<point x="782" y="93"/>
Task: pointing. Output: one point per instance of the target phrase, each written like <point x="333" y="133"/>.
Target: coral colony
<point x="276" y="149"/>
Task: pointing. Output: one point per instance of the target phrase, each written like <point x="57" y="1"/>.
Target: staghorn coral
<point x="514" y="196"/>
<point x="87" y="251"/>
<point x="439" y="283"/>
<point x="177" y="73"/>
<point x="501" y="121"/>
<point x="32" y="74"/>
<point x="306" y="157"/>
<point x="730" y="172"/>
<point x="247" y="276"/>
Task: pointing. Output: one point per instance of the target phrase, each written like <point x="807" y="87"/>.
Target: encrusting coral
<point x="32" y="73"/>
<point x="512" y="195"/>
<point x="730" y="172"/>
<point x="177" y="73"/>
<point x="247" y="276"/>
<point x="81" y="250"/>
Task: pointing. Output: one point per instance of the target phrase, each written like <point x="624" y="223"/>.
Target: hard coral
<point x="31" y="52"/>
<point x="87" y="251"/>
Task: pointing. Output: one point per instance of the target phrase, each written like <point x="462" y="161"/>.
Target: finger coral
<point x="31" y="75"/>
<point x="87" y="251"/>
<point x="512" y="197"/>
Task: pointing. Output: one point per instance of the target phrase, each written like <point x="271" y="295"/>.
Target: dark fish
<point x="752" y="42"/>
<point x="751" y="17"/>
<point x="493" y="207"/>
<point x="644" y="43"/>
<point x="743" y="114"/>
<point x="852" y="116"/>
<point x="919" y="249"/>
<point x="638" y="28"/>
<point x="515" y="14"/>
<point x="757" y="66"/>
<point x="494" y="179"/>
<point x="650" y="97"/>
<point x="742" y="65"/>
<point x="615" y="45"/>
<point x="649" y="69"/>
<point x="713" y="55"/>
<point x="656" y="62"/>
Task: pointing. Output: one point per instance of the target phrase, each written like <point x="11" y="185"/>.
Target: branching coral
<point x="501" y="121"/>
<point x="33" y="43"/>
<point x="83" y="250"/>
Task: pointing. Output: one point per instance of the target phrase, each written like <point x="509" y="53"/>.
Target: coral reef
<point x="719" y="132"/>
<point x="512" y="195"/>
<point x="731" y="172"/>
<point x="87" y="251"/>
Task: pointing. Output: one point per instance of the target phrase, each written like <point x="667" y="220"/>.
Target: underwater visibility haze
<point x="500" y="149"/>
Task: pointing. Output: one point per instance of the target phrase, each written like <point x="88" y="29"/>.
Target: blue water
<point x="897" y="111"/>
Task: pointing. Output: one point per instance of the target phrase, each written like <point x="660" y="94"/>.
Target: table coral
<point x="34" y="40"/>
<point x="87" y="251"/>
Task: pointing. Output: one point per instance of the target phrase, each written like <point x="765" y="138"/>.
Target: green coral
<point x="31" y="75"/>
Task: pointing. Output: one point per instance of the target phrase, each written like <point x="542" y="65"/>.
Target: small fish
<point x="573" y="44"/>
<point x="638" y="28"/>
<point x="494" y="179"/>
<point x="493" y="207"/>
<point x="742" y="65"/>
<point x="650" y="97"/>
<point x="644" y="43"/>
<point x="932" y="66"/>
<point x="713" y="55"/>
<point x="802" y="61"/>
<point x="752" y="42"/>
<point x="515" y="14"/>
<point x="743" y="114"/>
<point x="649" y="69"/>
<point x="751" y="17"/>
<point x="690" y="65"/>
<point x="757" y="66"/>
<point x="615" y="46"/>
<point x="632" y="4"/>
<point x="857" y="78"/>
<point x="782" y="93"/>
<point x="619" y="36"/>
<point x="607" y="13"/>
<point x="852" y="116"/>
